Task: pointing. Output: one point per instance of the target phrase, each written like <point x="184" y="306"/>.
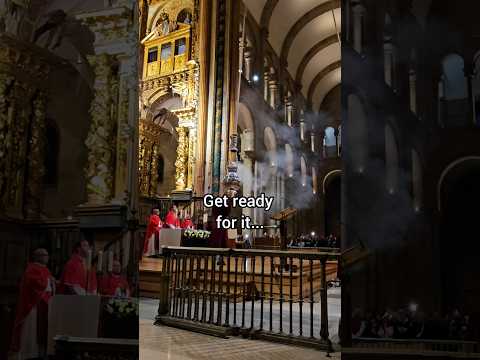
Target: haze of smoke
<point x="300" y="191"/>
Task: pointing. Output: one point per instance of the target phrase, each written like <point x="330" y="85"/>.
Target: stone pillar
<point x="312" y="141"/>
<point x="358" y="14"/>
<point x="302" y="129"/>
<point x="273" y="89"/>
<point x="266" y="80"/>
<point x="181" y="164"/>
<point x="288" y="111"/>
<point x="126" y="172"/>
<point x="248" y="61"/>
<point x="387" y="61"/>
<point x="101" y="138"/>
<point x="412" y="77"/>
<point x="36" y="156"/>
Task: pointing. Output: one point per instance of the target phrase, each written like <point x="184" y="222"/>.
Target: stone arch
<point x="447" y="170"/>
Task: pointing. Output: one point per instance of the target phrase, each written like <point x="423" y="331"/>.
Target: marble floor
<point x="159" y="342"/>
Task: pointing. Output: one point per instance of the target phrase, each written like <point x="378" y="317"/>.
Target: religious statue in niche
<point x="165" y="23"/>
<point x="12" y="13"/>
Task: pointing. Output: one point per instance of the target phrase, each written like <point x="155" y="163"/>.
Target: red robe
<point x="110" y="283"/>
<point x="171" y="219"/>
<point x="32" y="293"/>
<point x="154" y="225"/>
<point x="187" y="224"/>
<point x="75" y="274"/>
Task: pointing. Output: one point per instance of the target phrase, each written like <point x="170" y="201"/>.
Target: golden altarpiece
<point x="170" y="74"/>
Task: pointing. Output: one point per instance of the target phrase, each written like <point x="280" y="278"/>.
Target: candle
<point x="100" y="261"/>
<point x="110" y="261"/>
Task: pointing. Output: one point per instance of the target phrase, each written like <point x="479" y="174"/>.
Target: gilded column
<point x="192" y="140"/>
<point x="5" y="83"/>
<point x="18" y="118"/>
<point x="101" y="139"/>
<point x="153" y="172"/>
<point x="36" y="156"/>
<point x="181" y="164"/>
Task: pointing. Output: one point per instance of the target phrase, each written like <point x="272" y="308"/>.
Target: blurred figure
<point x="187" y="222"/>
<point x="115" y="284"/>
<point x="30" y="328"/>
<point x="152" y="237"/>
<point x="171" y="220"/>
<point x="77" y="278"/>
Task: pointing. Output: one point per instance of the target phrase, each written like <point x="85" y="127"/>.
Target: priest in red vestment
<point x="151" y="244"/>
<point x="30" y="328"/>
<point x="115" y="284"/>
<point x="77" y="278"/>
<point x="171" y="220"/>
<point x="187" y="222"/>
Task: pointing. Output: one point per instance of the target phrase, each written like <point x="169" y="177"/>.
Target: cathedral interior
<point x="358" y="117"/>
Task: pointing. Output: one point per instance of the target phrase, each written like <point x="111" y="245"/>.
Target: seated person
<point x="187" y="222"/>
<point x="115" y="284"/>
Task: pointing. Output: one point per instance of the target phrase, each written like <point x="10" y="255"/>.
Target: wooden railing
<point x="417" y="344"/>
<point x="273" y="295"/>
<point x="68" y="348"/>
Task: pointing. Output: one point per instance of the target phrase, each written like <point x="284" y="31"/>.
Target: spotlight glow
<point x="255" y="78"/>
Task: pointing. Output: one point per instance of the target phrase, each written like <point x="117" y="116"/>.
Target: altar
<point x="91" y="317"/>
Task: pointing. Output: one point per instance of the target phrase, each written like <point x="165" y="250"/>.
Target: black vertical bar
<point x="172" y="283"/>
<point x="227" y="300"/>
<point x="205" y="290"/>
<point x="300" y="301"/>
<point x="190" y="287"/>
<point x="252" y="292"/>
<point x="282" y="262"/>
<point x="311" y="298"/>
<point x="184" y="280"/>
<point x="177" y="279"/>
<point x="323" y="301"/>
<point x="262" y="295"/>
<point x="244" y="283"/>
<point x="271" y="292"/>
<point x="235" y="293"/>
<point x="290" y="300"/>
<point x="220" y="293"/>
<point x="212" y="291"/>
<point x="197" y="288"/>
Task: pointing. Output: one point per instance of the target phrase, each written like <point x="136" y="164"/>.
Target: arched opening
<point x="158" y="147"/>
<point x="330" y="142"/>
<point x="459" y="248"/>
<point x="454" y="108"/>
<point x="333" y="205"/>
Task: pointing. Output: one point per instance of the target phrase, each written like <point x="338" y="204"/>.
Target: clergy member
<point x="77" y="278"/>
<point x="187" y="222"/>
<point x="115" y="284"/>
<point x="30" y="328"/>
<point x="152" y="237"/>
<point x="171" y="220"/>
